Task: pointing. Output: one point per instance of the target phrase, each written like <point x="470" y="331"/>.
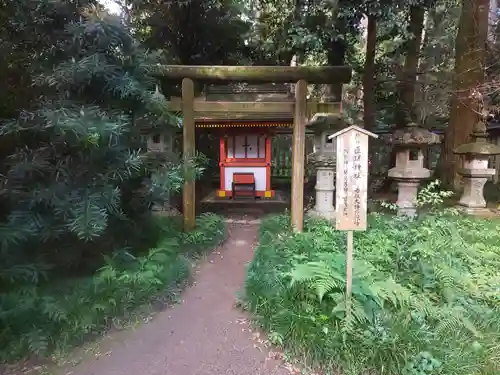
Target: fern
<point x="424" y="297"/>
<point x="36" y="342"/>
<point x="324" y="275"/>
<point x="60" y="315"/>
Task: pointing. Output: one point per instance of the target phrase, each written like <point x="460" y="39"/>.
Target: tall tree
<point x="373" y="12"/>
<point x="437" y="63"/>
<point x="196" y="32"/>
<point x="470" y="50"/>
<point x="369" y="80"/>
<point x="408" y="79"/>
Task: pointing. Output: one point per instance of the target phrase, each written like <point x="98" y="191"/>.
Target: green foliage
<point x="76" y="174"/>
<point x="209" y="228"/>
<point x="430" y="196"/>
<point x="78" y="187"/>
<point x="37" y="320"/>
<point x="193" y="32"/>
<point x="32" y="38"/>
<point x="425" y="295"/>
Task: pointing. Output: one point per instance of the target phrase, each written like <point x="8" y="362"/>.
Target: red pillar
<point x="268" y="162"/>
<point x="222" y="159"/>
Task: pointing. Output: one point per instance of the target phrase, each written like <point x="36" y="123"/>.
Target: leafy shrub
<point x="425" y="295"/>
<point x="209" y="228"/>
<point x="77" y="179"/>
<point x="37" y="320"/>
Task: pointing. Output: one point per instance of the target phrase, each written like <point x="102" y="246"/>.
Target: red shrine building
<point x="245" y="137"/>
<point x="245" y="161"/>
<point x="245" y="157"/>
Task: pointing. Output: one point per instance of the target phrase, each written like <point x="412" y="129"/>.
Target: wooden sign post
<point x="351" y="190"/>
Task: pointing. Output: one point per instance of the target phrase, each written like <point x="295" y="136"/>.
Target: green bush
<point x="37" y="320"/>
<point x="425" y="295"/>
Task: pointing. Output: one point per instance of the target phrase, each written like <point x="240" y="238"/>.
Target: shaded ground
<point x="205" y="334"/>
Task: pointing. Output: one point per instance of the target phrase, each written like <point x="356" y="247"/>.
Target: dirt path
<point x="203" y="335"/>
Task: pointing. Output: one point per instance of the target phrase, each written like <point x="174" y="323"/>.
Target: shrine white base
<point x="259" y="173"/>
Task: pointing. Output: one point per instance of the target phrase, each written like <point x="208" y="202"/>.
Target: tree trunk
<point x="422" y="106"/>
<point x="433" y="82"/>
<point x="369" y="74"/>
<point x="408" y="80"/>
<point x="336" y="51"/>
<point x="493" y="20"/>
<point x="470" y="53"/>
<point x="406" y="87"/>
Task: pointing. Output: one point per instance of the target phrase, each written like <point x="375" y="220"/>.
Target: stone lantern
<point x="475" y="171"/>
<point x="409" y="171"/>
<point x="161" y="144"/>
<point x="323" y="160"/>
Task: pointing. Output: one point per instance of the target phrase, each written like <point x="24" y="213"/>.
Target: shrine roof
<point x="238" y="105"/>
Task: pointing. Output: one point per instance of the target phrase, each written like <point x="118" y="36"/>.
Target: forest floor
<point x="206" y="333"/>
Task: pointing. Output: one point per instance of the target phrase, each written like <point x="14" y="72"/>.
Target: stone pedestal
<point x="325" y="189"/>
<point x="475" y="174"/>
<point x="472" y="200"/>
<point x="408" y="180"/>
<point x="407" y="197"/>
<point x="475" y="171"/>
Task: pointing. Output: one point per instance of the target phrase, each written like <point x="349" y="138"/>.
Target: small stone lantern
<point x="475" y="171"/>
<point x="161" y="144"/>
<point x="409" y="170"/>
<point x="323" y="159"/>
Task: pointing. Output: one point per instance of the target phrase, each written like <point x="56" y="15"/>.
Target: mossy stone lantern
<point x="409" y="171"/>
<point x="475" y="171"/>
<point x="323" y="160"/>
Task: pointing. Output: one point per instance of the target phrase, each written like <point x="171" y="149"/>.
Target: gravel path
<point x="203" y="335"/>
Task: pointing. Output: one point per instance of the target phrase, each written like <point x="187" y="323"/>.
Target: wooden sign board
<point x="351" y="187"/>
<point x="352" y="178"/>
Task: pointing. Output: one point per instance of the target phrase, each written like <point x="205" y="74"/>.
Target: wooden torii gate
<point x="301" y="76"/>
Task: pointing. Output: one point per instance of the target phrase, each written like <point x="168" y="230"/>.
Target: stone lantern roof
<point x="321" y="122"/>
<point x="479" y="144"/>
<point x="413" y="135"/>
<point x="317" y="160"/>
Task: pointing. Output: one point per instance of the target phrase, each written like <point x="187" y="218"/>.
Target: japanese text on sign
<point x="352" y="180"/>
